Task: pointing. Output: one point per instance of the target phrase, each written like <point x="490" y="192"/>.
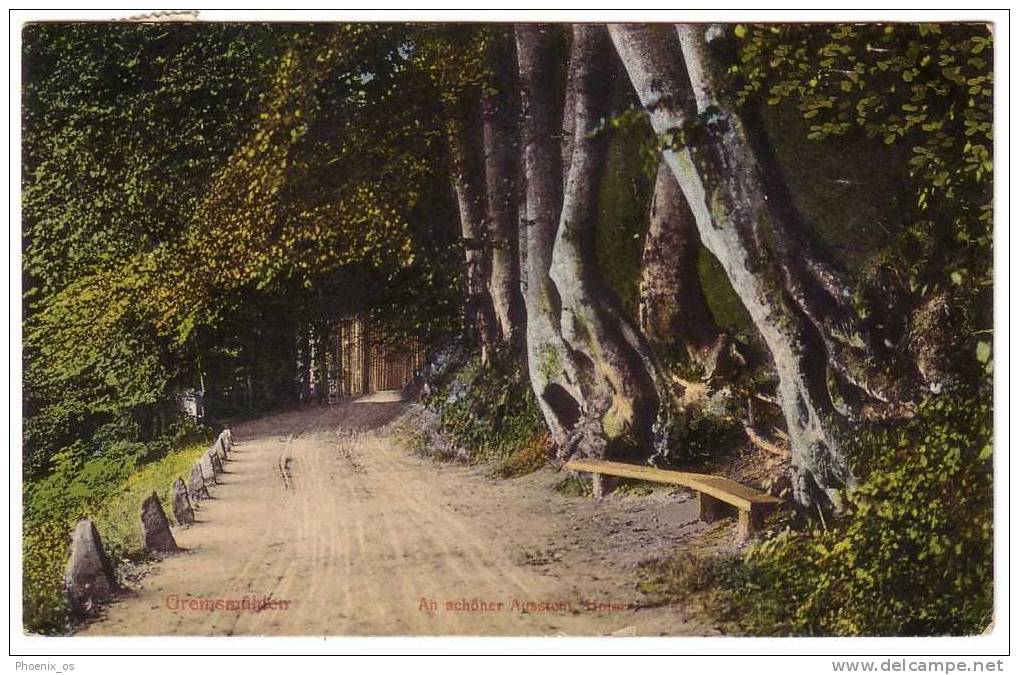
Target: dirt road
<point x="328" y="514"/>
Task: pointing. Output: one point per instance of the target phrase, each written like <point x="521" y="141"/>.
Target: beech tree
<point x="409" y="165"/>
<point x="615" y="368"/>
<point x="718" y="174"/>
<point x="832" y="366"/>
<point x="674" y="313"/>
<point x="551" y="366"/>
<point x="500" y="110"/>
<point x="592" y="371"/>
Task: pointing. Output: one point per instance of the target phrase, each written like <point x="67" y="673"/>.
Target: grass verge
<point x="109" y="491"/>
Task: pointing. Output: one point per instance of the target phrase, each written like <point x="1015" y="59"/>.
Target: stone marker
<point x="88" y="578"/>
<point x="220" y="448"/>
<point x="196" y="484"/>
<point x="155" y="526"/>
<point x="217" y="463"/>
<point x="208" y="473"/>
<point x="182" y="510"/>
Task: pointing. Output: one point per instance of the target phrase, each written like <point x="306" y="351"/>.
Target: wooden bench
<point x="713" y="492"/>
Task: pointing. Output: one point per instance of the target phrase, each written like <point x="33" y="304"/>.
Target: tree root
<point x="778" y="449"/>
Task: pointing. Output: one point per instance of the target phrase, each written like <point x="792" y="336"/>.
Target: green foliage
<point x="913" y="555"/>
<point x="574" y="486"/>
<point x="924" y="90"/>
<point x="913" y="552"/>
<point x="330" y="172"/>
<point x="490" y="413"/>
<point x="527" y="458"/>
<point x="181" y="179"/>
<point x="108" y="489"/>
<point x="124" y="126"/>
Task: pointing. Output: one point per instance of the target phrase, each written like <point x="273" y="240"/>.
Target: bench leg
<point x="602" y="485"/>
<point x="749" y="522"/>
<point x="711" y="509"/>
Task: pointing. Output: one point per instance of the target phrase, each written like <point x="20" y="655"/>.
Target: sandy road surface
<point x="362" y="537"/>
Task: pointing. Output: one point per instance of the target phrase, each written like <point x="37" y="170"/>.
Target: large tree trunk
<point x="881" y="383"/>
<point x="550" y="365"/>
<point x="617" y="378"/>
<point x="820" y="289"/>
<point x="718" y="173"/>
<point x="499" y="109"/>
<point x="674" y="314"/>
<point x="466" y="137"/>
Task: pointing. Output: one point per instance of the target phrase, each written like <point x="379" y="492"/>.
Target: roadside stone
<point x="155" y="526"/>
<point x="220" y="448"/>
<point x="88" y="577"/>
<point x="217" y="463"/>
<point x="208" y="472"/>
<point x="182" y="510"/>
<point x="196" y="484"/>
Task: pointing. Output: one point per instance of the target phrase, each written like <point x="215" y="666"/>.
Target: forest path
<point x="363" y="535"/>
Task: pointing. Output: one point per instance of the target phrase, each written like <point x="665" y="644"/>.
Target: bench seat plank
<point x="729" y="491"/>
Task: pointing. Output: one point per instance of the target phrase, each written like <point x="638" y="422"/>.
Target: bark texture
<point x="550" y="364"/>
<point x="878" y="381"/>
<point x="616" y="372"/>
<point x="499" y="110"/>
<point x="674" y="314"/>
<point x="466" y="139"/>
<point x="718" y="173"/>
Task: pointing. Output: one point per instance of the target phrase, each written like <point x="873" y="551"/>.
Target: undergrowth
<point x="912" y="555"/>
<point x="574" y="486"/>
<point x="489" y="414"/>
